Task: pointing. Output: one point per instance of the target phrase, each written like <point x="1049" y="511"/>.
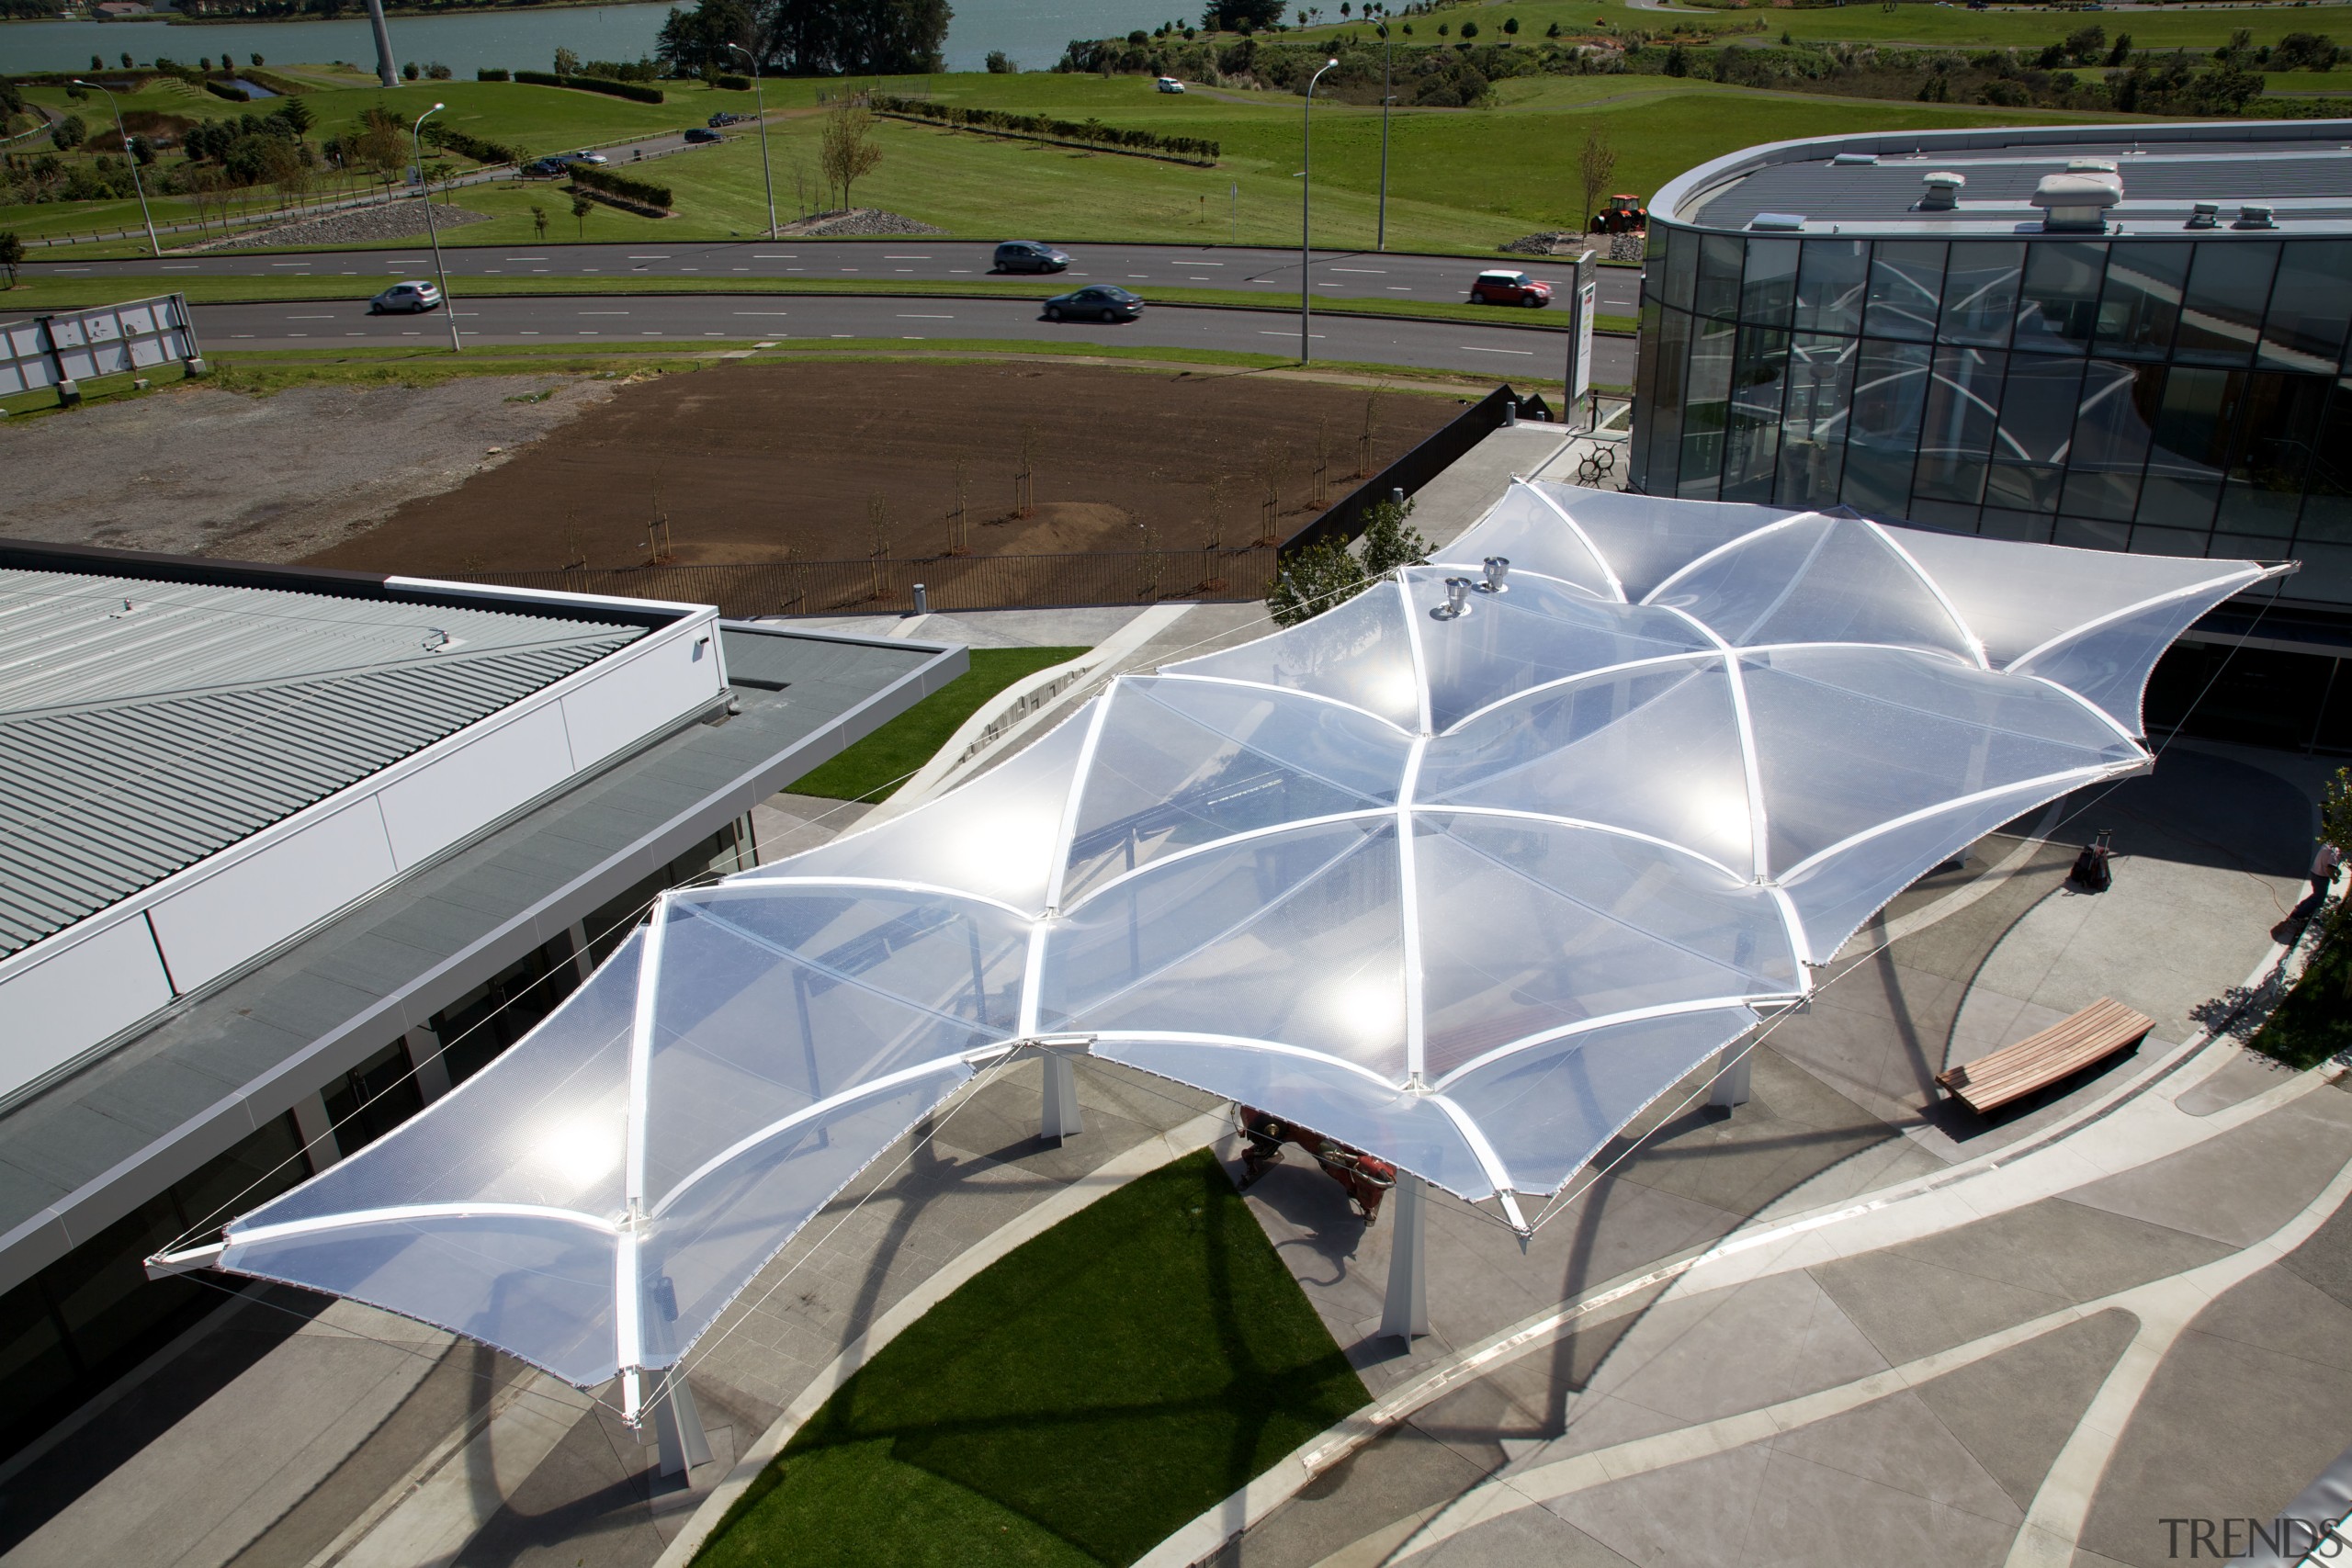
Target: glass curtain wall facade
<point x="2176" y="396"/>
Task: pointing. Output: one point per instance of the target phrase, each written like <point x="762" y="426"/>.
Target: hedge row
<point x="283" y="87"/>
<point x="480" y="150"/>
<point x="1092" y="131"/>
<point x="636" y="91"/>
<point x="732" y="84"/>
<point x="492" y="73"/>
<point x="618" y="183"/>
<point x="228" y="90"/>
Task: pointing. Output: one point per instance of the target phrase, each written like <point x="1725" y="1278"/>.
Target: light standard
<point x="759" y="99"/>
<point x="1381" y="243"/>
<point x="136" y="183"/>
<point x="448" y="306"/>
<point x="1305" y="180"/>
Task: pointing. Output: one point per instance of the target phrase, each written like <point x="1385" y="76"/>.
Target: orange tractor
<point x="1624" y="215"/>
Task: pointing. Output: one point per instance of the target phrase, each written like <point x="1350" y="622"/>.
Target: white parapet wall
<point x="64" y="997"/>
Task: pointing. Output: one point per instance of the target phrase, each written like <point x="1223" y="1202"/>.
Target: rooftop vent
<point x="2254" y="215"/>
<point x="2090" y="165"/>
<point x="2204" y="215"/>
<point x="1943" y="190"/>
<point x="2077" y="202"/>
<point x="1778" y="222"/>
<point x="1848" y="160"/>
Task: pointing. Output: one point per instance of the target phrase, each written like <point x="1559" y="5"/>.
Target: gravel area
<point x="198" y="471"/>
<point x="400" y="221"/>
<point x="852" y="222"/>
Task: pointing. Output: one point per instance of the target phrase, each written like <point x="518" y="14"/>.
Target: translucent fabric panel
<point x="1527" y="634"/>
<point x="1835" y="897"/>
<point x="538" y="1289"/>
<point x="1848" y="739"/>
<point x="1359" y="652"/>
<point x="1529" y="925"/>
<point x="2109" y="665"/>
<point x="1404" y="1128"/>
<point x="1295" y="936"/>
<point x="1179" y="763"/>
<point x="1817" y="579"/>
<point x="994" y="835"/>
<point x="711" y="1236"/>
<point x="1527" y="531"/>
<point x="1548" y="1110"/>
<point x="1649" y="538"/>
<point x="771" y="1000"/>
<point x="544" y="1123"/>
<point x="1656" y="749"/>
<point x="2017" y="596"/>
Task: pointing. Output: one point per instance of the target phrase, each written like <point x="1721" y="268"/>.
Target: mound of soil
<point x="852" y="222"/>
<point x="756" y="460"/>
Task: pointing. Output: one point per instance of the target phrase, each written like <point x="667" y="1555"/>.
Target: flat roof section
<point x="84" y="1151"/>
<point x="146" y="723"/>
<point x="2302" y="169"/>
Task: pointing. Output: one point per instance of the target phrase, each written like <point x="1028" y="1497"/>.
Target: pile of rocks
<point x="1553" y="243"/>
<point x="397" y="221"/>
<point x="850" y="222"/>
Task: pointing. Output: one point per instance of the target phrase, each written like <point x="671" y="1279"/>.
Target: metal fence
<point x="884" y="586"/>
<point x="1436" y="452"/>
<point x="104" y="340"/>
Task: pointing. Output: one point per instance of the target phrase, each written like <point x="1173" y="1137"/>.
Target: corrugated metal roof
<point x="146" y="725"/>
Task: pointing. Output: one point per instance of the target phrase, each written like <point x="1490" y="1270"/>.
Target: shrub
<point x="437" y="72"/>
<point x="408" y="72"/>
<point x="635" y="91"/>
<point x="732" y="84"/>
<point x="490" y="74"/>
<point x="479" y="149"/>
<point x="613" y="182"/>
<point x="998" y="63"/>
<point x="68" y="133"/>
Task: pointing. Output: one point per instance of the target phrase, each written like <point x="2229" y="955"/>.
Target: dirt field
<point x="756" y="462"/>
<point x="195" y="471"/>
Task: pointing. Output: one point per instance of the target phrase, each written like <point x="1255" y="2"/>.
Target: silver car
<point x="408" y="296"/>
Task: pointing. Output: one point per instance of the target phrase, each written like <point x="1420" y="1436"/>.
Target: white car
<point x="408" y="296"/>
<point x="1169" y="84"/>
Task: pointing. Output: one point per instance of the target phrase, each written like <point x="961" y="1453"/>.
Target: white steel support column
<point x="1731" y="1066"/>
<point x="1060" y="1117"/>
<point x="1406" y="1313"/>
<point x="677" y="1427"/>
<point x="317" y="1128"/>
<point x="432" y="1068"/>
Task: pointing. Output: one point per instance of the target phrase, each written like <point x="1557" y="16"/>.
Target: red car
<point x="1509" y="289"/>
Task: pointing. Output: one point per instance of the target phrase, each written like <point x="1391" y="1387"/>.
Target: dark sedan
<point x="1102" y="302"/>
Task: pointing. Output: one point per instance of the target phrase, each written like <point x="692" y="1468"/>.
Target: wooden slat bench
<point x="2067" y="1047"/>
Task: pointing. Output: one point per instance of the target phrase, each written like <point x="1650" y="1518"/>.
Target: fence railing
<point x="1436" y="452"/>
<point x="883" y="586"/>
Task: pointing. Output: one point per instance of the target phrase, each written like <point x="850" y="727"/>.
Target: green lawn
<point x="1074" y="1404"/>
<point x="876" y="766"/>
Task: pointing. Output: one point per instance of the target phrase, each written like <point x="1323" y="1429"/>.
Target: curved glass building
<point x="2127" y="337"/>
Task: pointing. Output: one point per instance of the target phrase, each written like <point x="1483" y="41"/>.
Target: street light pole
<point x="136" y="183"/>
<point x="448" y="306"/>
<point x="1387" y="49"/>
<point x="760" y="100"/>
<point x="1305" y="181"/>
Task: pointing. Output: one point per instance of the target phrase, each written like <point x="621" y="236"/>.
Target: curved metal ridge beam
<point x="1408" y="904"/>
<point x="1413" y="640"/>
<point x="1066" y="834"/>
<point x="1597" y="672"/>
<point x="406" y="1214"/>
<point x="1914" y="707"/>
<point x="1959" y="624"/>
<point x="1750" y="1000"/>
<point x="1695" y="562"/>
<point x="1142" y="688"/>
<point x="753" y="887"/>
<point x="1284" y="691"/>
<point x="2105" y="717"/>
<point x="2243" y="578"/>
<point x="1554" y="820"/>
<point x="2072" y="778"/>
<point x="783" y="1125"/>
<point x="839" y="977"/>
<point x="1608" y="573"/>
<point x="1192" y="852"/>
<point x="1250" y="1043"/>
<point x="1489" y="1160"/>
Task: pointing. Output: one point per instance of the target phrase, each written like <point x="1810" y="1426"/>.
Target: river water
<point x="1032" y="31"/>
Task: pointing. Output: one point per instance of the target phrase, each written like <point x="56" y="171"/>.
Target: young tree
<point x="256" y="60"/>
<point x="12" y="254"/>
<point x="846" y="153"/>
<point x="581" y="208"/>
<point x="1311" y="580"/>
<point x="69" y="133"/>
<point x="566" y="62"/>
<point x="98" y="63"/>
<point x="538" y="221"/>
<point x="1511" y="25"/>
<point x="297" y="115"/>
<point x="126" y="59"/>
<point x="1595" y="164"/>
<point x="440" y="173"/>
<point x="998" y="63"/>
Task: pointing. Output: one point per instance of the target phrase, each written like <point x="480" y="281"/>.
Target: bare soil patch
<point x="198" y="471"/>
<point x="757" y="462"/>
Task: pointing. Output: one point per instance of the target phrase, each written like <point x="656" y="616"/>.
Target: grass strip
<point x="875" y="767"/>
<point x="2314" y="1022"/>
<point x="1069" y="1407"/>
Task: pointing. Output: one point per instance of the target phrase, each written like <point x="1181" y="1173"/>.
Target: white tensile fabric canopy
<point x="1468" y="891"/>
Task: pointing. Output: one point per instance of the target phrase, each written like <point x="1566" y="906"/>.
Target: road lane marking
<point x="907" y="258"/>
<point x="310" y="318"/>
<point x="272" y="263"/>
<point x="663" y="257"/>
<point x="1400" y="289"/>
<point x="1473" y="349"/>
<point x="914" y="316"/>
<point x="1368" y="271"/>
<point x="762" y="313"/>
<point x="530" y="332"/>
<point x="168" y="266"/>
<point x="1263" y="332"/>
<point x="600" y="312"/>
<point x="241" y="334"/>
<point x="775" y="255"/>
<point x="526" y="258"/>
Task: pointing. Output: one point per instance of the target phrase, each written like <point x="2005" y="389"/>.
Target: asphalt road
<point x="1334" y="274"/>
<point x="1525" y="357"/>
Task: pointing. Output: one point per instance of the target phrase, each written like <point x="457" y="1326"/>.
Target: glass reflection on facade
<point x="2175" y="395"/>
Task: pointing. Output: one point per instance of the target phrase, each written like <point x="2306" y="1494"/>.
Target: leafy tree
<point x="998" y="64"/>
<point x="2122" y="49"/>
<point x="98" y="63"/>
<point x="693" y="42"/>
<point x="1314" y="579"/>
<point x="828" y="37"/>
<point x="143" y="151"/>
<point x="1511" y="25"/>
<point x="256" y="59"/>
<point x="1595" y="166"/>
<point x="408" y="72"/>
<point x="12" y="254"/>
<point x="1234" y="15"/>
<point x="538" y="221"/>
<point x="297" y="115"/>
<point x="581" y="208"/>
<point x="69" y="133"/>
<point x="2305" y="52"/>
<point x="1469" y="29"/>
<point x="126" y="59"/>
<point x="846" y="152"/>
<point x="566" y="62"/>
